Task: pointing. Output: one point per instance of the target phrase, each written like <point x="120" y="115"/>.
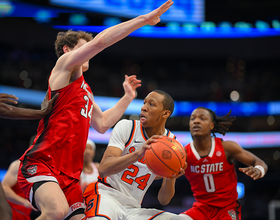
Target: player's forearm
<point x="21" y="113"/>
<point x="12" y="196"/>
<point x="116" y="33"/>
<point x="112" y="115"/>
<point x="113" y="165"/>
<point x="167" y="191"/>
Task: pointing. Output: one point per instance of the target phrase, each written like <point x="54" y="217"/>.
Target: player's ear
<point x="212" y="125"/>
<point x="166" y="113"/>
<point x="66" y="49"/>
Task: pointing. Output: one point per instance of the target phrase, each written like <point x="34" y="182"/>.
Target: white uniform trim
<point x="35" y="179"/>
<point x="210" y="153"/>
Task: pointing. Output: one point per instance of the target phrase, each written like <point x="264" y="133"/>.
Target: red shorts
<point x="32" y="171"/>
<point x="201" y="211"/>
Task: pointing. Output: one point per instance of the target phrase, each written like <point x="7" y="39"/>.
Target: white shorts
<point x="111" y="204"/>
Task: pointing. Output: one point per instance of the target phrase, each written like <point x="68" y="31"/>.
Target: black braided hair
<point x="221" y="124"/>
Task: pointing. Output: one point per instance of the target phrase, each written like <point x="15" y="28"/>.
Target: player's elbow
<point x="164" y="201"/>
<point x="102" y="172"/>
<point x="102" y="130"/>
<point x="99" y="128"/>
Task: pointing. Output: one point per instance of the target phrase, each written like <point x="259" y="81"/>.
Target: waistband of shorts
<point x="101" y="180"/>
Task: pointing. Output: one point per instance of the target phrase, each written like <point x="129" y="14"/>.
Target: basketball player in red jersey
<point x="211" y="171"/>
<point x="50" y="169"/>
<point x="12" y="112"/>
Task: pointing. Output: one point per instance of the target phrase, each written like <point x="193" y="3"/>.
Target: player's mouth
<point x="196" y="128"/>
<point x="142" y="118"/>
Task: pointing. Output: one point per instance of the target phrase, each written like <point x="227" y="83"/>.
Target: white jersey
<point x="134" y="181"/>
<point x="87" y="178"/>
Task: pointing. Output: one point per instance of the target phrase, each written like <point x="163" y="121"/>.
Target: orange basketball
<point x="165" y="157"/>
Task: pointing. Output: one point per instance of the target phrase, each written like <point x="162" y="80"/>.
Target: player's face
<point x="200" y="122"/>
<point x="152" y="110"/>
<point x="88" y="154"/>
<point x="80" y="43"/>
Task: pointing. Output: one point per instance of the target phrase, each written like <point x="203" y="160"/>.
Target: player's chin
<point x="196" y="133"/>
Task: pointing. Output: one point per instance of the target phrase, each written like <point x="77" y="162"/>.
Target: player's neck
<point x="155" y="131"/>
<point x="202" y="143"/>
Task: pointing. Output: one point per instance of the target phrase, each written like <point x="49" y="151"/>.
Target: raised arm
<point x="70" y="63"/>
<point x="102" y="121"/>
<point x="114" y="34"/>
<point x="13" y="112"/>
<point x="257" y="167"/>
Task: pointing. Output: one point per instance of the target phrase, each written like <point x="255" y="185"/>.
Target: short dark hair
<point x="168" y="102"/>
<point x="221" y="124"/>
<point x="69" y="38"/>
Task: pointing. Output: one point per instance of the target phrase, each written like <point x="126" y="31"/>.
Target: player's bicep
<point x="236" y="152"/>
<point x="84" y="53"/>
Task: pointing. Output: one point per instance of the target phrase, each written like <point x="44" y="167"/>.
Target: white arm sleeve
<point x="120" y="134"/>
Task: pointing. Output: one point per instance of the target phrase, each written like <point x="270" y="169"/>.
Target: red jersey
<point x="19" y="211"/>
<point x="62" y="134"/>
<point x="212" y="178"/>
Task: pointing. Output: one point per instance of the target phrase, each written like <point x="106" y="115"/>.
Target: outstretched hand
<point x="130" y="84"/>
<point x="7" y="98"/>
<point x="148" y="143"/>
<point x="153" y="17"/>
<point x="252" y="172"/>
<point x="181" y="173"/>
<point x="47" y="104"/>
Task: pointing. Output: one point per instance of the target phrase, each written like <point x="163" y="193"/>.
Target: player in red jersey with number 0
<point x="211" y="171"/>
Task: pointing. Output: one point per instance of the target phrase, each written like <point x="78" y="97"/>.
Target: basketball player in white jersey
<point x="124" y="177"/>
<point x="90" y="169"/>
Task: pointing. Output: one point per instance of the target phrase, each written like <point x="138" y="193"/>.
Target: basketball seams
<point x="174" y="153"/>
<point x="160" y="157"/>
<point x="151" y="167"/>
<point x="162" y="160"/>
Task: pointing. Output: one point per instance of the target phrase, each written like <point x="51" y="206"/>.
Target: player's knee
<point x="57" y="213"/>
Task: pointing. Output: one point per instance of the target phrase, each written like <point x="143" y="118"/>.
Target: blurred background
<point x="224" y="54"/>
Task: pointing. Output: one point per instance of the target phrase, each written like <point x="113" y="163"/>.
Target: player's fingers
<point x="166" y="6"/>
<point x="7" y="96"/>
<point x="250" y="172"/>
<point x="131" y="77"/>
<point x="135" y="82"/>
<point x="3" y="105"/>
<point x="56" y="96"/>
<point x="255" y="176"/>
<point x="8" y="100"/>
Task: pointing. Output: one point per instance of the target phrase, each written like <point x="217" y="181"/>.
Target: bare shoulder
<point x="231" y="146"/>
